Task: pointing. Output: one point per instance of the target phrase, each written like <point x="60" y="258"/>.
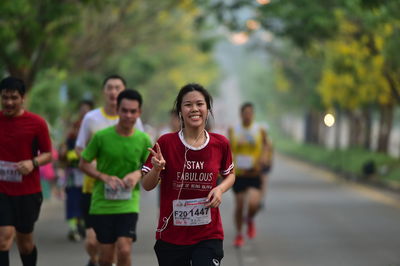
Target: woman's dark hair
<point x="130" y="95"/>
<point x="13" y="84"/>
<point x="189" y="88"/>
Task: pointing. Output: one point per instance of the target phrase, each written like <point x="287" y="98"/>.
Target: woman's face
<point x="194" y="109"/>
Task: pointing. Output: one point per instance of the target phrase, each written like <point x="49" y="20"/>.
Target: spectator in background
<point x="73" y="179"/>
<point x="174" y="124"/>
<point x="48" y="176"/>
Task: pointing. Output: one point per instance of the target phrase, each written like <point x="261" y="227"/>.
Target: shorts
<point x="205" y="253"/>
<point x="73" y="202"/>
<point x="20" y="211"/>
<point x="266" y="169"/>
<point x="109" y="227"/>
<point x="85" y="206"/>
<point x="242" y="183"/>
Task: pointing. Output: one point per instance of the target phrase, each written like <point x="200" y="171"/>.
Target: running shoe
<point x="251" y="229"/>
<point x="82" y="230"/>
<point x="74" y="236"/>
<point x="90" y="263"/>
<point x="239" y="241"/>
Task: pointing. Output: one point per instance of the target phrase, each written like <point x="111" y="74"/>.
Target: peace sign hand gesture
<point x="157" y="160"/>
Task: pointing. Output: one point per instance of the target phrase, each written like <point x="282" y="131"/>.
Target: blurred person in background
<point x="250" y="152"/>
<point x="48" y="177"/>
<point x="174" y="124"/>
<point x="73" y="177"/>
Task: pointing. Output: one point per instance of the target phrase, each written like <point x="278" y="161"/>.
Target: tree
<point x="32" y="34"/>
<point x="153" y="45"/>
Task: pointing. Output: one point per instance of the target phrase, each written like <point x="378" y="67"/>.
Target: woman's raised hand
<point x="157" y="160"/>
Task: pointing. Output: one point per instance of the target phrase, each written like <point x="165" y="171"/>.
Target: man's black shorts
<point x="242" y="183"/>
<point x="205" y="253"/>
<point x="109" y="227"/>
<point x="20" y="211"/>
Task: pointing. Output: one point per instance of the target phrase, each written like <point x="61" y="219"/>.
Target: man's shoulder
<point x="34" y="117"/>
<point x="141" y="134"/>
<point x="27" y="118"/>
<point x="93" y="114"/>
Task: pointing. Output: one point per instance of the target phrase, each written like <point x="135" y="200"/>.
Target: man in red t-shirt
<point x="24" y="146"/>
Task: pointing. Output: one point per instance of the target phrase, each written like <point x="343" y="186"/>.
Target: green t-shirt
<point x="116" y="155"/>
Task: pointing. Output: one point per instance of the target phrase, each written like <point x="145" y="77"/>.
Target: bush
<point x="350" y="162"/>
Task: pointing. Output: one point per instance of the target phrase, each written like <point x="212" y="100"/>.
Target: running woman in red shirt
<point x="24" y="146"/>
<point x="187" y="164"/>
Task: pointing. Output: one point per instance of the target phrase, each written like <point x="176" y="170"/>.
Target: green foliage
<point x="44" y="98"/>
<point x="353" y="73"/>
<point x="153" y="44"/>
<point x="302" y="21"/>
<point x="31" y="33"/>
<point x="393" y="176"/>
<point x="158" y="59"/>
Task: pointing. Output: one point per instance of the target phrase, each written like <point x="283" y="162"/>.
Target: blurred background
<point x="324" y="75"/>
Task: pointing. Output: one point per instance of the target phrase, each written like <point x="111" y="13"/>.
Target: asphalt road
<point x="311" y="218"/>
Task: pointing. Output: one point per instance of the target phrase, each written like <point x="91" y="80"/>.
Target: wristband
<point x="35" y="163"/>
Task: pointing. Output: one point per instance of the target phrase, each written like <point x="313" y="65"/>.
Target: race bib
<point x="244" y="162"/>
<point x="191" y="212"/>
<point x="117" y="194"/>
<point x="9" y="172"/>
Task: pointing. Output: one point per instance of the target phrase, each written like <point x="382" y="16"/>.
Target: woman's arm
<point x="150" y="180"/>
<point x="215" y="195"/>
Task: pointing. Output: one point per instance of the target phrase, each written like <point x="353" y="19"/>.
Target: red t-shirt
<point x="203" y="166"/>
<point x="22" y="138"/>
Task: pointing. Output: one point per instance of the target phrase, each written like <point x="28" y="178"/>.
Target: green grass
<point x="349" y="162"/>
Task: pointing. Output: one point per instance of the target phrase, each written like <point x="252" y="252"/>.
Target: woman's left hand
<point x="214" y="197"/>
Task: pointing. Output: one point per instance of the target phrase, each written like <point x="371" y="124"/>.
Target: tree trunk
<point x="392" y="84"/>
<point x="307" y="127"/>
<point x="367" y="118"/>
<point x="312" y="125"/>
<point x="338" y="128"/>
<point x="385" y="127"/>
<point x="356" y="132"/>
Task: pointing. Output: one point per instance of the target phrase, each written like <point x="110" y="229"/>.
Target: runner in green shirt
<point x="120" y="152"/>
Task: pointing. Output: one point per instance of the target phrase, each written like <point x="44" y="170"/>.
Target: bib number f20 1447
<point x="191" y="212"/>
<point x="9" y="172"/>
